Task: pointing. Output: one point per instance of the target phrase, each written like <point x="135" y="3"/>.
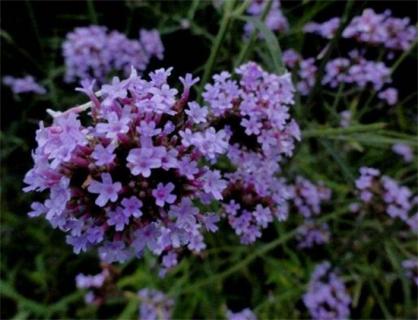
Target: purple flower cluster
<point x="403" y="150"/>
<point x="245" y="314"/>
<point x="327" y="297"/>
<point x="311" y="234"/>
<point x="126" y="181"/>
<point x="382" y="191"/>
<point x="93" y="52"/>
<point x="411" y="269"/>
<point x="138" y="173"/>
<point x="389" y="95"/>
<point x="372" y="28"/>
<point x="382" y="29"/>
<point x="354" y="70"/>
<point x="23" y="85"/>
<point x="326" y="29"/>
<point x="154" y="305"/>
<point x="96" y="285"/>
<point x="275" y="20"/>
<point x="254" y="112"/>
<point x="308" y="197"/>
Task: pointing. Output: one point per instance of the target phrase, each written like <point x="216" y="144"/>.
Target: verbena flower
<point x="311" y="234"/>
<point x="139" y="171"/>
<point x="308" y="197"/>
<point x="26" y="84"/>
<point x="371" y="28"/>
<point x="154" y="305"/>
<point x="93" y="52"/>
<point x="245" y="314"/>
<point x="326" y="29"/>
<point x="254" y="113"/>
<point x="411" y="269"/>
<point x="403" y="150"/>
<point x="125" y="180"/>
<point x="326" y="297"/>
<point x="381" y="29"/>
<point x="275" y="20"/>
<point x="382" y="193"/>
<point x="99" y="285"/>
<point x="389" y="95"/>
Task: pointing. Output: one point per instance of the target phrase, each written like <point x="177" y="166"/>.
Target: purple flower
<point x="311" y="234"/>
<point x="390" y="95"/>
<point x="251" y="125"/>
<point x="154" y="305"/>
<point x="411" y="269"/>
<point x="91" y="281"/>
<point x="151" y="41"/>
<point x="374" y="28"/>
<point x="162" y="194"/>
<point x="107" y="190"/>
<point x="213" y="184"/>
<point x="262" y="216"/>
<point x="142" y="160"/>
<point x="327" y="297"/>
<point x="188" y="81"/>
<point x="93" y="52"/>
<point x="245" y="314"/>
<point x="210" y="221"/>
<point x="104" y="155"/>
<point x="326" y="29"/>
<point x="117" y="218"/>
<point x="132" y="206"/>
<point x="196" y="113"/>
<point x="403" y="150"/>
<point x="23" y="85"/>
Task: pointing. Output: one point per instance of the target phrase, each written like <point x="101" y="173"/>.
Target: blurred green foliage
<point x="38" y="268"/>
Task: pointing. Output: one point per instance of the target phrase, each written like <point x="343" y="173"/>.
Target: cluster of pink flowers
<point x="26" y="84"/>
<point x="385" y="194"/>
<point x="93" y="52"/>
<point x="142" y="171"/>
<point x="372" y="28"/>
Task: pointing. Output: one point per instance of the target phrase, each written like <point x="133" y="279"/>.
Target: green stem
<point x="259" y="252"/>
<point x="218" y="41"/>
<point x="92" y="12"/>
<point x="331" y="47"/>
<point x="311" y="133"/>
<point x="250" y="43"/>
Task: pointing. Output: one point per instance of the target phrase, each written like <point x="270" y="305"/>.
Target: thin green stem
<point x="259" y="252"/>
<point x="242" y="56"/>
<point x="311" y="133"/>
<point x="92" y="11"/>
<point x="226" y="19"/>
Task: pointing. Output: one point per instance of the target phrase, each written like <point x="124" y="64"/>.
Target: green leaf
<point x="271" y="42"/>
